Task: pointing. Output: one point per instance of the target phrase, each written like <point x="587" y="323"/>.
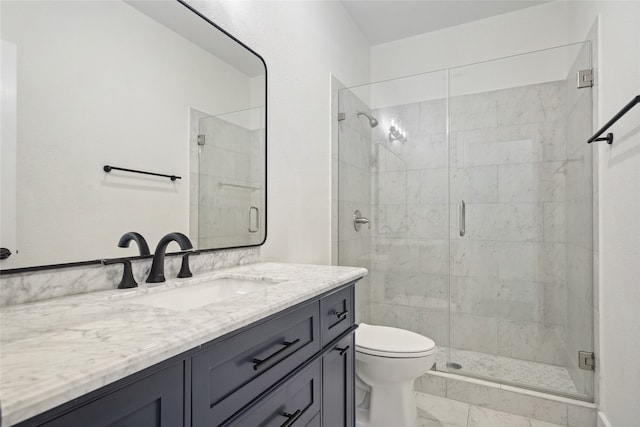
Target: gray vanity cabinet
<point x="338" y="388"/>
<point x="293" y="369"/>
<point x="155" y="401"/>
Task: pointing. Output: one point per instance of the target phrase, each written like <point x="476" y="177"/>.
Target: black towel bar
<point x="609" y="137"/>
<point x="108" y="168"/>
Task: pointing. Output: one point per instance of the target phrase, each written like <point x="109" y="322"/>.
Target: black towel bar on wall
<point x="108" y="169"/>
<point x="609" y="137"/>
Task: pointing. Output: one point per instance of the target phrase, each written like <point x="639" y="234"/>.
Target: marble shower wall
<point x="508" y="281"/>
<point x="351" y="160"/>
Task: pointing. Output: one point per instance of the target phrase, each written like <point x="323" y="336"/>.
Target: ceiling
<point x="382" y="21"/>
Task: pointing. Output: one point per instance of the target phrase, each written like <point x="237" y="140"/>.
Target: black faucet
<point x="156" y="275"/>
<point x="136" y="237"/>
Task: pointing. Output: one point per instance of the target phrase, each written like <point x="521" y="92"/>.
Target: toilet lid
<point x="392" y="342"/>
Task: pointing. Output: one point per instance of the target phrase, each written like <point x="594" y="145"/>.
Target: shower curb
<point x="514" y="400"/>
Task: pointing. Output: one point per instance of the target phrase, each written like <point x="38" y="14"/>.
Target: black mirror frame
<point x="199" y="251"/>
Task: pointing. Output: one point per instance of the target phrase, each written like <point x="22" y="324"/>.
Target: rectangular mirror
<point x="145" y="86"/>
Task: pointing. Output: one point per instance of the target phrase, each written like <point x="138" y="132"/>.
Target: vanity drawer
<point x="235" y="371"/>
<point x="156" y="400"/>
<point x="295" y="403"/>
<point x="336" y="314"/>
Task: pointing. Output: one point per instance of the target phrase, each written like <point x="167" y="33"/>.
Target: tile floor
<point x="435" y="411"/>
<point x="533" y="374"/>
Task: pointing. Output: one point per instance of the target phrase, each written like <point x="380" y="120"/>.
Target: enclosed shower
<point x="477" y="183"/>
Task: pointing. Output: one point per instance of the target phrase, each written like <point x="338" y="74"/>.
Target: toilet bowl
<point x="388" y="360"/>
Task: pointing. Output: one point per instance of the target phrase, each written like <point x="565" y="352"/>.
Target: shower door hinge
<point x="585" y="78"/>
<point x="201" y="139"/>
<point x="586" y="360"/>
<point x="341" y="117"/>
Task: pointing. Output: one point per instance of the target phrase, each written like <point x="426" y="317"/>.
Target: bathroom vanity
<point x="280" y="355"/>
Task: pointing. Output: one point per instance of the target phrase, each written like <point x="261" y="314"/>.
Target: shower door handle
<point x="461" y="218"/>
<point x="257" y="216"/>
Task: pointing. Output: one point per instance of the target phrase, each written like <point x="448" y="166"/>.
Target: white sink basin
<point x="202" y="293"/>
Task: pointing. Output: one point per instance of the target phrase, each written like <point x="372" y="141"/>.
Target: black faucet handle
<point x="185" y="271"/>
<point x="128" y="281"/>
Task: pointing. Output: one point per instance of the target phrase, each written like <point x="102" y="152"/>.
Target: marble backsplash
<point x="34" y="286"/>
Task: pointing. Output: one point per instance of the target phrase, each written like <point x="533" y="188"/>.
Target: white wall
<point x="66" y="125"/>
<point x="513" y="33"/>
<point x="456" y="47"/>
<point x="302" y="43"/>
<point x="618" y="81"/>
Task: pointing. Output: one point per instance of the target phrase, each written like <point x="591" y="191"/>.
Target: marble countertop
<point x="56" y="350"/>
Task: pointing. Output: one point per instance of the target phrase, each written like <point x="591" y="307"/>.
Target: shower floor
<point x="506" y="369"/>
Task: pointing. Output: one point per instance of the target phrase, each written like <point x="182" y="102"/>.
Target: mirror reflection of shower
<point x="373" y="122"/>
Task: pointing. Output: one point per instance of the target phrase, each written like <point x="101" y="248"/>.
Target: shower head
<point x="372" y="121"/>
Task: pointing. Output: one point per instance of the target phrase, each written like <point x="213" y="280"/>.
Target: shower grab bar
<point x="609" y="137"/>
<point x="461" y="218"/>
<point x="108" y="169"/>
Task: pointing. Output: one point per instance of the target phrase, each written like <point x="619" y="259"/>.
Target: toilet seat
<point x="384" y="341"/>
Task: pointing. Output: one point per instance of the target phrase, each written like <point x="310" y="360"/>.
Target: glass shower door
<point x="229" y="195"/>
<point x="393" y="169"/>
<point x="506" y="293"/>
<point x="521" y="278"/>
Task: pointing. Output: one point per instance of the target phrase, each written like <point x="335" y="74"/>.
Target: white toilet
<point x="388" y="360"/>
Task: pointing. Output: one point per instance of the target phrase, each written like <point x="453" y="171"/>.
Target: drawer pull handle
<point x="341" y="316"/>
<point x="286" y="344"/>
<point x="342" y="350"/>
<point x="292" y="418"/>
<point x="342" y="313"/>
